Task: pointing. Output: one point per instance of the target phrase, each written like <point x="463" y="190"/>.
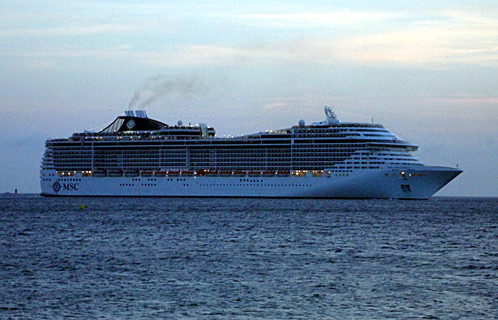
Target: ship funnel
<point x="141" y="113"/>
<point x="129" y="113"/>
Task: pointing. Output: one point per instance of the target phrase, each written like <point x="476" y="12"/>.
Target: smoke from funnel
<point x="159" y="86"/>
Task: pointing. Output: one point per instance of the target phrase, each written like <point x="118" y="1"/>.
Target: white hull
<point x="417" y="183"/>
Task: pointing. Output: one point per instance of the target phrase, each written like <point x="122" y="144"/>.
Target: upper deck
<point x="136" y="127"/>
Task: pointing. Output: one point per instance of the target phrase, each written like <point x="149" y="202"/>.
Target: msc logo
<point x="65" y="186"/>
<point x="56" y="186"/>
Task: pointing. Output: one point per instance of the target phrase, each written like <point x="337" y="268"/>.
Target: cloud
<point x="439" y="39"/>
<point x="67" y="31"/>
<point x="467" y="101"/>
<point x="46" y="64"/>
<point x="420" y="45"/>
<point x="441" y="44"/>
<point x="274" y="105"/>
<point x="294" y="20"/>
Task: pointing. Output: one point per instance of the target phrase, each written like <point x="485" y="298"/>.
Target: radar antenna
<point x="331" y="116"/>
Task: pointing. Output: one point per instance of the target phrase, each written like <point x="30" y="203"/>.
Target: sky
<point x="427" y="70"/>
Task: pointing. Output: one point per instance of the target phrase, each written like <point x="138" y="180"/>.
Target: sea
<point x="229" y="258"/>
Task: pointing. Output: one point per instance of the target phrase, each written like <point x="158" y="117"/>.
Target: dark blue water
<point x="174" y="258"/>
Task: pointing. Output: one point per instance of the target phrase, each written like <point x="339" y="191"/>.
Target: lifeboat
<point x="99" y="173"/>
<point x="115" y="173"/>
<point x="268" y="173"/>
<point x="283" y="173"/>
<point x="146" y="173"/>
<point x="187" y="173"/>
<point x="159" y="173"/>
<point x="254" y="173"/>
<point x="225" y="173"/>
<point x="131" y="173"/>
<point x="173" y="173"/>
<point x="211" y="173"/>
<point x="239" y="173"/>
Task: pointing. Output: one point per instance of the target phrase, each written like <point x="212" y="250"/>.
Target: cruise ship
<point x="138" y="156"/>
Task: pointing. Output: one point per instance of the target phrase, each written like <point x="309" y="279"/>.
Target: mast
<point x="331" y="116"/>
